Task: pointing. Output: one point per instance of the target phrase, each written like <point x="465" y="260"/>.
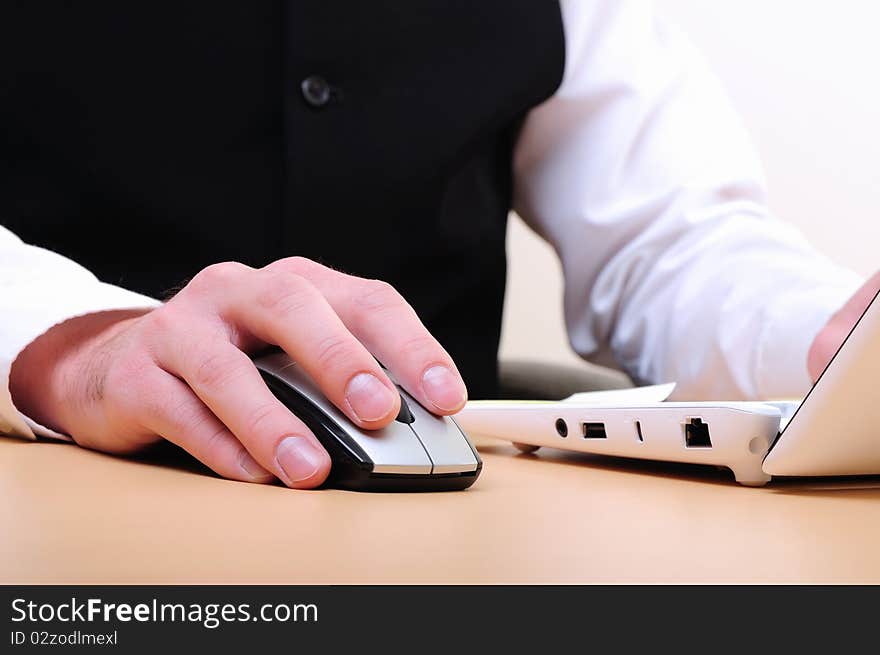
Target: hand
<point x="119" y="381"/>
<point x="830" y="337"/>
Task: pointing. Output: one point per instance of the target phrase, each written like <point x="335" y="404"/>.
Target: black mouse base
<point x="362" y="480"/>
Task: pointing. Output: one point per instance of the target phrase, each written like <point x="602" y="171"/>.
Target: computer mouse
<point x="418" y="451"/>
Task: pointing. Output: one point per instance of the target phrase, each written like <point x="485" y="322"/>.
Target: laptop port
<point x="639" y="435"/>
<point x="594" y="430"/>
<point x="696" y="434"/>
<point x="561" y="427"/>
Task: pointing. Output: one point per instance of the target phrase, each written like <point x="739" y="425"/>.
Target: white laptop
<point x="834" y="431"/>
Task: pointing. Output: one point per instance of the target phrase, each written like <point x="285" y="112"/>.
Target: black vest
<point x="146" y="140"/>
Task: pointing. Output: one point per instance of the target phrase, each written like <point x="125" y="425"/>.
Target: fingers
<point x="329" y="323"/>
<point x="376" y="311"/>
<point x="286" y="309"/>
<point x="182" y="372"/>
<point x="174" y="413"/>
<point x="379" y="318"/>
<point x="228" y="383"/>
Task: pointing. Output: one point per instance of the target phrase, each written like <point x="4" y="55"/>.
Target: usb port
<point x="696" y="434"/>
<point x="594" y="430"/>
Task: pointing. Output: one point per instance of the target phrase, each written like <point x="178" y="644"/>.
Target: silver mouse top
<point x="428" y="445"/>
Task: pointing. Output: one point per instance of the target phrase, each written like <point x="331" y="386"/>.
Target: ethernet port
<point x="696" y="434"/>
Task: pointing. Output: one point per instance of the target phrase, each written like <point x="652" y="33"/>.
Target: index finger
<point x="380" y="318"/>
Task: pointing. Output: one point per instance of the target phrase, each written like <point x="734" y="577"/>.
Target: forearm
<point x="642" y="177"/>
<point x="731" y="310"/>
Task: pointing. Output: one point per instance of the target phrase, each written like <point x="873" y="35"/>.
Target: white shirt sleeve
<point x="39" y="289"/>
<point x="640" y="175"/>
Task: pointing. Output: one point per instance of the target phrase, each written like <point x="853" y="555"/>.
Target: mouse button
<point x="395" y="449"/>
<point x="296" y="378"/>
<point x="405" y="414"/>
<point x="392" y="449"/>
<point x="447" y="445"/>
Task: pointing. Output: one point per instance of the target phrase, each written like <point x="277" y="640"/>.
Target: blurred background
<point x="803" y="75"/>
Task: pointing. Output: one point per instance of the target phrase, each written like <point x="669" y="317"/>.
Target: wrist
<point x="48" y="380"/>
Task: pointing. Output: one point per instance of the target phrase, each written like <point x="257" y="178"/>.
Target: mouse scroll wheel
<point x="405" y="415"/>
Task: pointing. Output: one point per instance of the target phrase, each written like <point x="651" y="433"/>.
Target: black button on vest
<point x="147" y="141"/>
<point x="316" y="91"/>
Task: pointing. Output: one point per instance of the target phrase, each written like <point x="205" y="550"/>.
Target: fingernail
<point x="298" y="458"/>
<point x="250" y="466"/>
<point x="368" y="398"/>
<point x="443" y="388"/>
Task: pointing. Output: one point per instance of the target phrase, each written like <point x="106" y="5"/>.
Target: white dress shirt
<point x="640" y="175"/>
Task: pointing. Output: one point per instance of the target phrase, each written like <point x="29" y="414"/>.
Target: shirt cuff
<point x="793" y="322"/>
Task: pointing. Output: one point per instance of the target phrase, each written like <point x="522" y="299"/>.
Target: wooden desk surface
<point x="68" y="515"/>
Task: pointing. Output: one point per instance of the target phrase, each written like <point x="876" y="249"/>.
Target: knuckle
<point x="378" y="296"/>
<point x="218" y="274"/>
<point x="214" y="370"/>
<point x="164" y="319"/>
<point x="334" y="353"/>
<point x="294" y="264"/>
<point x="285" y="293"/>
<point x="260" y="418"/>
<point x="417" y="346"/>
<point x="187" y="414"/>
<point x="215" y="443"/>
<point x="378" y="302"/>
